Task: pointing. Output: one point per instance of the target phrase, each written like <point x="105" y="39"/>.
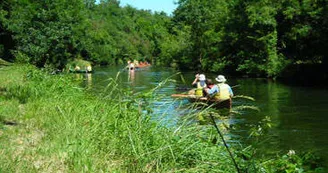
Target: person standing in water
<point x="130" y="65"/>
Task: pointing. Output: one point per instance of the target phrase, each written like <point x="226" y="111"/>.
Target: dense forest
<point x="262" y="38"/>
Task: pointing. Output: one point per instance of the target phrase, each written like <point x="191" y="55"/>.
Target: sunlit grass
<point x="62" y="127"/>
<point x="59" y="127"/>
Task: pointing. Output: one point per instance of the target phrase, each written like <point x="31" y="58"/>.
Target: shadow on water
<point x="298" y="114"/>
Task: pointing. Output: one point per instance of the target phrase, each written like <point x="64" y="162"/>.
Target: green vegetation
<point x="50" y="124"/>
<point x="241" y="37"/>
<point x="3" y="62"/>
<point x="254" y="37"/>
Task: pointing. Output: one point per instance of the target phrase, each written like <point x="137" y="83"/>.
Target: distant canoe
<point x="79" y="71"/>
<point x="142" y="65"/>
<point x="138" y="67"/>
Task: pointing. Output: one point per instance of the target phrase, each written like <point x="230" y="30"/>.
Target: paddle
<point x="188" y="96"/>
<point x="183" y="96"/>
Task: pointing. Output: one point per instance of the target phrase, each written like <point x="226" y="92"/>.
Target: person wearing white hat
<point x="200" y="84"/>
<point x="222" y="92"/>
<point x="130" y="65"/>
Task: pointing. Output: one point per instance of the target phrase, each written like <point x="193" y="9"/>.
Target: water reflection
<point x="86" y="77"/>
<point x="89" y="79"/>
<point x="131" y="76"/>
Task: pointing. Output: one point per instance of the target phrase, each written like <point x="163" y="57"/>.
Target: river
<point x="298" y="114"/>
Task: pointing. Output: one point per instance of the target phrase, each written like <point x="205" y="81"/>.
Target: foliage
<point x="61" y="127"/>
<point x="48" y="32"/>
<point x="258" y="38"/>
<point x="118" y="34"/>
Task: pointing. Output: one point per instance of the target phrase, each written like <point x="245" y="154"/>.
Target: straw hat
<point x="221" y="79"/>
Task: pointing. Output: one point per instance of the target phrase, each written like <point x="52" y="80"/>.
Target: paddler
<point x="221" y="93"/>
<point x="200" y="85"/>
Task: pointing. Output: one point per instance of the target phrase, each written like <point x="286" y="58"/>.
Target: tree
<point x="47" y="32"/>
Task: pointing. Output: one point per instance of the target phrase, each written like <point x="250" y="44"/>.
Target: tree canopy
<point x="257" y="38"/>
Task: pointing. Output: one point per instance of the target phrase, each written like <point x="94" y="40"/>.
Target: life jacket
<point x="199" y="89"/>
<point x="223" y="93"/>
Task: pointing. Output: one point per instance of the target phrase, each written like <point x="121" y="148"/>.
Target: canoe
<point x="79" y="71"/>
<point x="191" y="97"/>
<point x="139" y="67"/>
<point x="194" y="98"/>
<point x="142" y="65"/>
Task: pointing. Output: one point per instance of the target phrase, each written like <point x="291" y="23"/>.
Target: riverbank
<point x="49" y="124"/>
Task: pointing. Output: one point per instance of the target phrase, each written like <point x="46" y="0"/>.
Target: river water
<point x="298" y="114"/>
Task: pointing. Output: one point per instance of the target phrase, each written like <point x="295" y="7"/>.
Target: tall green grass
<point x="61" y="128"/>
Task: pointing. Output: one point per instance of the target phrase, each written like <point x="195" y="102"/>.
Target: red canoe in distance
<point x="142" y="65"/>
<point x="139" y="66"/>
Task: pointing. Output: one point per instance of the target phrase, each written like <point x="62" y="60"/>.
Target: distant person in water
<point x="222" y="92"/>
<point x="131" y="76"/>
<point x="77" y="68"/>
<point x="136" y="63"/>
<point x="130" y="65"/>
<point x="89" y="68"/>
<point x="200" y="85"/>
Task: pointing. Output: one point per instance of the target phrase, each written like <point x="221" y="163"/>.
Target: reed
<point x="61" y="128"/>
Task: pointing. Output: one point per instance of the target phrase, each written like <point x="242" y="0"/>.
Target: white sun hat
<point x="221" y="78"/>
<point x="202" y="77"/>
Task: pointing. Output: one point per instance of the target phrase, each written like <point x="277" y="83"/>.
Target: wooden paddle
<point x="188" y="96"/>
<point x="183" y="96"/>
